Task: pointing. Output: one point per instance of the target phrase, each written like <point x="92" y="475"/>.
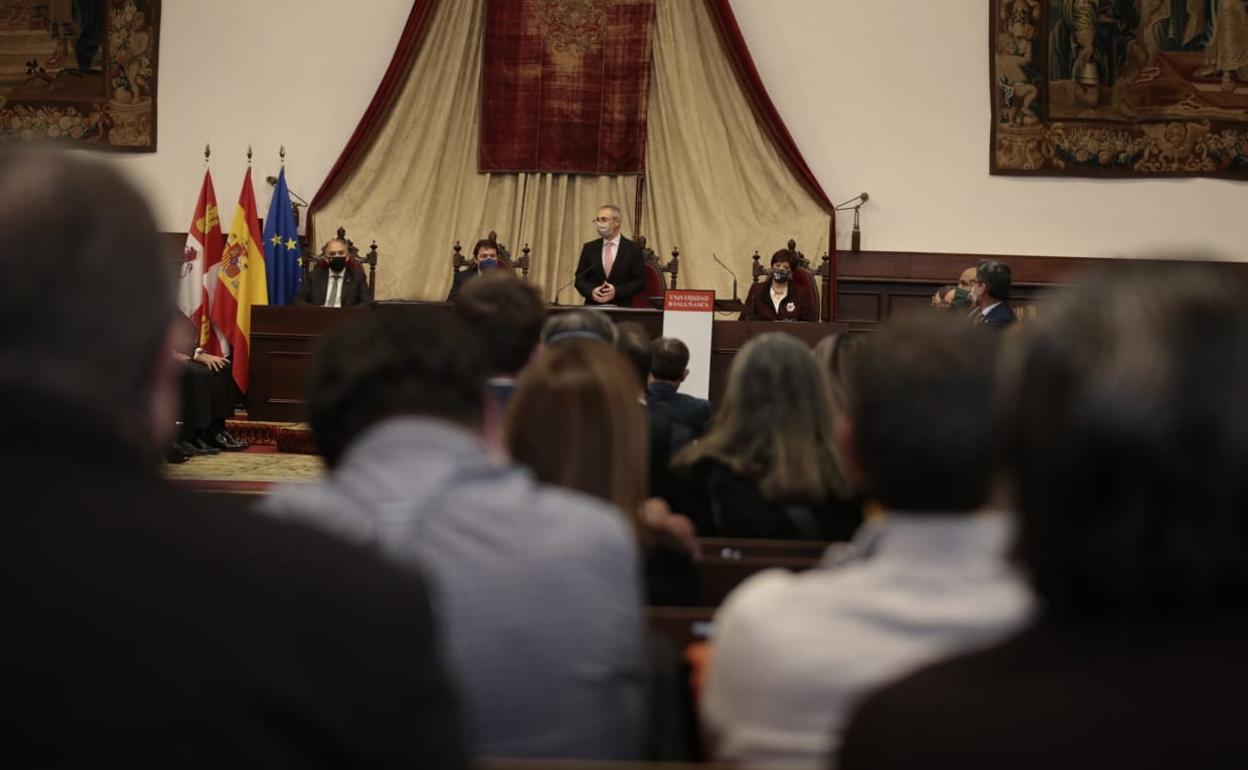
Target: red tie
<point x="608" y="259"/>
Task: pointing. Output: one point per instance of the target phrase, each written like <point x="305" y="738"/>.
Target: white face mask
<point x="603" y="228"/>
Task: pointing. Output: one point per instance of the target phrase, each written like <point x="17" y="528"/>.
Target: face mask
<point x="488" y="263"/>
<point x="337" y="263"/>
<point x="960" y="297"/>
<point x="780" y="275"/>
<point x="603" y="228"/>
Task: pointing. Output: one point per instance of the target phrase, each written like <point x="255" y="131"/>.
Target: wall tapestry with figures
<point x="1120" y="88"/>
<point x="79" y="71"/>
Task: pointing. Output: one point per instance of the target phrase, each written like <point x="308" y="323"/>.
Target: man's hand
<point x="608" y="292"/>
<point x="599" y="294"/>
<point x="215" y="363"/>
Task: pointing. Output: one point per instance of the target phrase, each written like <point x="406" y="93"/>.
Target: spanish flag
<point x="241" y="282"/>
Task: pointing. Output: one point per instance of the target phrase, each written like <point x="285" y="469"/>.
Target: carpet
<point x="249" y="472"/>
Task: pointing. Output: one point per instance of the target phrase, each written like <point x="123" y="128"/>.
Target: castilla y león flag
<point x="204" y="245"/>
<point x="241" y="282"/>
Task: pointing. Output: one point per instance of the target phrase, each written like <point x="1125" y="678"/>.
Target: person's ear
<point x="683" y="375"/>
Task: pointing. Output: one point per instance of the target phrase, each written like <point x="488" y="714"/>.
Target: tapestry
<point x="1120" y="88"/>
<point x="79" y="71"/>
<point x="565" y="85"/>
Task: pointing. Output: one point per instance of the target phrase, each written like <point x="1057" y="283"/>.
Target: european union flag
<point x="281" y="246"/>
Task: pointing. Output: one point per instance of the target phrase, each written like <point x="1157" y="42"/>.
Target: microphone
<point x="299" y="201"/>
<point x="734" y="275"/>
<point x="575" y="278"/>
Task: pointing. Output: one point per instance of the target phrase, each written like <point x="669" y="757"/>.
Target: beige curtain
<point x="714" y="184"/>
<point x="418" y="190"/>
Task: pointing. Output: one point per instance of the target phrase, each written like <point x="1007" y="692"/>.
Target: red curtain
<point x="565" y="86"/>
<point x="366" y="130"/>
<point x="756" y="92"/>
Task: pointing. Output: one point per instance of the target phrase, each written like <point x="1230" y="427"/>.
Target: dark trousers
<point x="208" y="398"/>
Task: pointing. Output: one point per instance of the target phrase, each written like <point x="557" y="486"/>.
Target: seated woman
<point x="767" y="468"/>
<point x="779" y="298"/>
<point x="578" y="421"/>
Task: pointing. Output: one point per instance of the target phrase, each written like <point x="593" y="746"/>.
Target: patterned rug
<point x="249" y="472"/>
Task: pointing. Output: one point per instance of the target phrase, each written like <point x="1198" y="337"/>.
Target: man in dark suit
<point x="612" y="269"/>
<point x="991" y="293"/>
<point x="147" y="626"/>
<point x="669" y="361"/>
<point x="484" y="259"/>
<point x="334" y="281"/>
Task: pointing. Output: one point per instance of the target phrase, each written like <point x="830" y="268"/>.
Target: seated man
<point x="539" y="592"/>
<point x="794" y="652"/>
<point x="779" y="298"/>
<point x="147" y="626"/>
<point x="335" y="281"/>
<point x="669" y="362"/>
<point x="990" y="293"/>
<point x="1123" y="438"/>
<point x="484" y="260"/>
<point x="209" y="395"/>
<point x="579" y="324"/>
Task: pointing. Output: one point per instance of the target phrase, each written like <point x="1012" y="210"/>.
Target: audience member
<point x="794" y="652"/>
<point x="1124" y="437"/>
<point x="335" y="280"/>
<point x="990" y="294"/>
<point x="837" y="355"/>
<point x="780" y="298"/>
<point x="144" y="626"/>
<point x="767" y="468"/>
<point x="669" y="365"/>
<point x="508" y="314"/>
<point x="944" y="297"/>
<point x="579" y="324"/>
<point x="537" y="587"/>
<point x="484" y="261"/>
<point x="611" y="269"/>
<point x="577" y="422"/>
<point x="208" y="399"/>
<point x="667" y="437"/>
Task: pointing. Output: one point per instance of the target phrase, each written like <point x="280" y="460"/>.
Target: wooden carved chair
<point x="357" y="262"/>
<point x="803" y="274"/>
<point x="459" y="262"/>
<point x="654" y="275"/>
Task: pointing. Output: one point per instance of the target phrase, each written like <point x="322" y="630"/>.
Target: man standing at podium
<point x="611" y="270"/>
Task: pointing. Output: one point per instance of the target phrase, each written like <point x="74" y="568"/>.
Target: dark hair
<point x="576" y="421"/>
<point x="669" y="358"/>
<point x="86" y="299"/>
<point x="1125" y="433"/>
<point x="507" y="314"/>
<point x="775" y="425"/>
<point x="920" y="409"/>
<point x="996" y="277"/>
<point x="484" y="243"/>
<point x="579" y="324"/>
<point x="784" y="255"/>
<point x="389" y="364"/>
<point x="634" y="342"/>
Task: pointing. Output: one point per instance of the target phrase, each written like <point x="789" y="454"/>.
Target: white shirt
<point x="615" y="252"/>
<point x="341" y="277"/>
<point x="794" y="653"/>
<point x="988" y="309"/>
<point x="776" y="299"/>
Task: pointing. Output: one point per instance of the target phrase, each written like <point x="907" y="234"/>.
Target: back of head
<point x="579" y="324"/>
<point x="507" y="314"/>
<point x="86" y="298"/>
<point x="838" y="355"/>
<point x="997" y="277"/>
<point x="920" y="410"/>
<point x="388" y="365"/>
<point x="575" y="419"/>
<point x="634" y="342"/>
<point x="669" y="358"/>
<point x="1126" y="433"/>
<point x="776" y="423"/>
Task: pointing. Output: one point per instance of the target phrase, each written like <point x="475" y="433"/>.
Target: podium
<point x="284" y="338"/>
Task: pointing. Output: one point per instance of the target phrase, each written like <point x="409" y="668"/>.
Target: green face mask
<point x="960" y="297"/>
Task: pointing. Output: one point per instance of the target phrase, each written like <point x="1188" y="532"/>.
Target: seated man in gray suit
<point x="334" y="281"/>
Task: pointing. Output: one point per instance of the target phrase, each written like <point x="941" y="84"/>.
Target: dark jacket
<point x="315" y="287"/>
<point x="693" y="413"/>
<point x="797" y="304"/>
<point x="1000" y="316"/>
<point x="1111" y="693"/>
<point x="722" y="503"/>
<point x="145" y="626"/>
<point x="628" y="272"/>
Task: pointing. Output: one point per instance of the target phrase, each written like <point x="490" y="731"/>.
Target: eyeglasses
<point x="603" y="220"/>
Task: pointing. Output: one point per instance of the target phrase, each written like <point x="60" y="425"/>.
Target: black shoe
<point x="204" y="448"/>
<point x="176" y="456"/>
<point x="185" y="447"/>
<point x="225" y="442"/>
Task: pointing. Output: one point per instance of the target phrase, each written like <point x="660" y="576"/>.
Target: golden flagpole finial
<point x="281" y="153"/>
<point x="249" y="155"/>
<point x="207" y="152"/>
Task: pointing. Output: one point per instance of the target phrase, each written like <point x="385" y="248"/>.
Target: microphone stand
<point x="854" y="204"/>
<point x="734" y="275"/>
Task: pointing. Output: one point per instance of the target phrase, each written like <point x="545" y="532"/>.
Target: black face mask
<point x="780" y="275"/>
<point x="337" y="263"/>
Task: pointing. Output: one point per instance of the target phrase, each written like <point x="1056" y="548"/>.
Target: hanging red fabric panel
<point x="565" y="85"/>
